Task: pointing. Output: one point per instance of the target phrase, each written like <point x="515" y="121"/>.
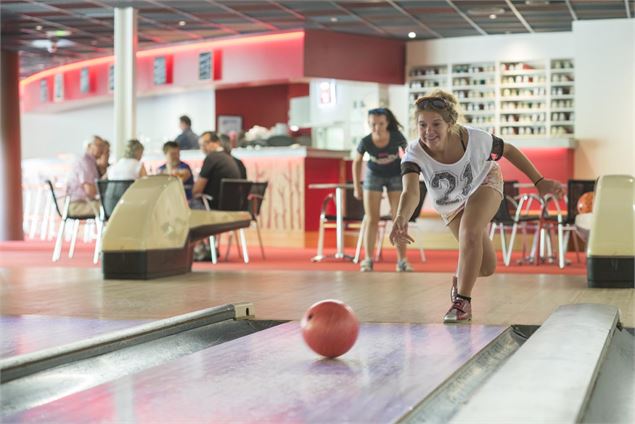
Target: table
<point x="339" y="219"/>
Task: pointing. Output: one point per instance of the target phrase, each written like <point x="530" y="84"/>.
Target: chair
<point x="511" y="214"/>
<point x="423" y="191"/>
<point x="110" y="192"/>
<point x="353" y="212"/>
<point x="566" y="223"/>
<point x="66" y="217"/>
<point x="233" y="196"/>
<point x="256" y="198"/>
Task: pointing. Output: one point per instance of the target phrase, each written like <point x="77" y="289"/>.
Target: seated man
<point x="176" y="167"/>
<point x="217" y="165"/>
<point x="103" y="161"/>
<point x="227" y="146"/>
<point x="81" y="186"/>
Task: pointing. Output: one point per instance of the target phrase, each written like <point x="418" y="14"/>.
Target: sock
<point x="469" y="299"/>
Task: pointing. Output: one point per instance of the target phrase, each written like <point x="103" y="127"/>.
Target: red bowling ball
<point x="330" y="328"/>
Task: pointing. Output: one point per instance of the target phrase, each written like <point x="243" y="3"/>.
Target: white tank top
<point x="449" y="185"/>
<point x="125" y="169"/>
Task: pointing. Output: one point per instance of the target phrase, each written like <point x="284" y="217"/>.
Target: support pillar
<point x="125" y="95"/>
<point x="10" y="156"/>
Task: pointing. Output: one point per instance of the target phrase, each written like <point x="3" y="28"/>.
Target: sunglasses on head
<point x="377" y="111"/>
<point x="434" y="102"/>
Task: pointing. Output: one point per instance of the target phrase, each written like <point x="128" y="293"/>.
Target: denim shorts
<point x="374" y="182"/>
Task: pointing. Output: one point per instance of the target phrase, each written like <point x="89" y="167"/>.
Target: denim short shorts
<point x="374" y="182"/>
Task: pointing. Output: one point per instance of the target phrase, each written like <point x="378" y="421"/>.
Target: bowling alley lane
<point x="272" y="376"/>
<point x="29" y="333"/>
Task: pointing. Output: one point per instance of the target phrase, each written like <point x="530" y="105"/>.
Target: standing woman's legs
<point x="476" y="256"/>
<point x="372" y="201"/>
<point x="393" y="199"/>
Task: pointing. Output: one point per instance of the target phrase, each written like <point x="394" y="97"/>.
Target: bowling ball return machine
<point x="611" y="247"/>
<point x="152" y="231"/>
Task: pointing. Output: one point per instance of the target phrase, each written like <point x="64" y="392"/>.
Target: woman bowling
<point x="459" y="167"/>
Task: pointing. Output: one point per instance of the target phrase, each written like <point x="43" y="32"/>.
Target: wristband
<point x="538" y="180"/>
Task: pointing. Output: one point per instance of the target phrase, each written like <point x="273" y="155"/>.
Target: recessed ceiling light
<point x="412" y="34"/>
<point x="38" y="28"/>
<point x="492" y="16"/>
<point x="333" y="19"/>
<point x="485" y="11"/>
<point x="181" y="23"/>
<point x="58" y="33"/>
<point x="536" y="2"/>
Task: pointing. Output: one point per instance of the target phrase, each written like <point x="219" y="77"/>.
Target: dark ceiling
<point x="90" y="22"/>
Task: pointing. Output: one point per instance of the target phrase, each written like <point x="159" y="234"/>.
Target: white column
<point x="125" y="95"/>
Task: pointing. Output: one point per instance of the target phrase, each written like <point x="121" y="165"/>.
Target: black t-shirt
<point x="217" y="165"/>
<point x="241" y="168"/>
<point x="384" y="162"/>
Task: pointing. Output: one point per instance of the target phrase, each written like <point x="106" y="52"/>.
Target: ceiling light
<point x="58" y="33"/>
<point x="485" y="11"/>
<point x="492" y="16"/>
<point x="536" y="2"/>
<point x="333" y="19"/>
<point x="412" y="34"/>
<point x="38" y="28"/>
<point x="181" y="23"/>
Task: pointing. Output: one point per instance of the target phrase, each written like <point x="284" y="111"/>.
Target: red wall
<point x="263" y="105"/>
<point x="247" y="60"/>
<point x="354" y="57"/>
<point x="242" y="61"/>
<point x="551" y="162"/>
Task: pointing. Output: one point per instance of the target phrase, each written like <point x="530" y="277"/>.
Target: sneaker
<point x="403" y="266"/>
<point x="454" y="290"/>
<point x="367" y="265"/>
<point x="460" y="312"/>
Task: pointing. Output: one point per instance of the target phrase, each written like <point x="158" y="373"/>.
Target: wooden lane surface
<point x="272" y="377"/>
<point x="501" y="299"/>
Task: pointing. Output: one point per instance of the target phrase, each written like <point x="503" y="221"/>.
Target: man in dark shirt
<point x="227" y="146"/>
<point x="187" y="140"/>
<point x="217" y="165"/>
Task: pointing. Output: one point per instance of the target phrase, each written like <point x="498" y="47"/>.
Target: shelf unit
<point x="422" y="79"/>
<point x="524" y="100"/>
<point x="562" y="98"/>
<point x="523" y="86"/>
<point x="474" y="85"/>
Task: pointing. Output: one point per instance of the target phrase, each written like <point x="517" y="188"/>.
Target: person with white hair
<point x="81" y="186"/>
<point x="129" y="167"/>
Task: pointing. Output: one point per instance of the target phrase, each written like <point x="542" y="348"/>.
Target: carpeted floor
<point x="38" y="254"/>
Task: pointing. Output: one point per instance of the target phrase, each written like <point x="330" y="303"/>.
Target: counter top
<point x="541" y="143"/>
<point x="291" y="151"/>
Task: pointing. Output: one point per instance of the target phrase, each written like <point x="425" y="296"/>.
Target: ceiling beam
<point x="571" y="11"/>
<point x="295" y="13"/>
<point x="140" y="17"/>
<point x="467" y="18"/>
<point x="243" y="15"/>
<point x="88" y="18"/>
<point x="628" y="9"/>
<point x="192" y="17"/>
<point x="519" y="16"/>
<point x="66" y="27"/>
<point x="414" y="19"/>
<point x="350" y="12"/>
<point x="152" y="38"/>
<point x="57" y="24"/>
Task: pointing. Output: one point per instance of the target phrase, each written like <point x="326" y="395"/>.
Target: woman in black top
<point x="383" y="170"/>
